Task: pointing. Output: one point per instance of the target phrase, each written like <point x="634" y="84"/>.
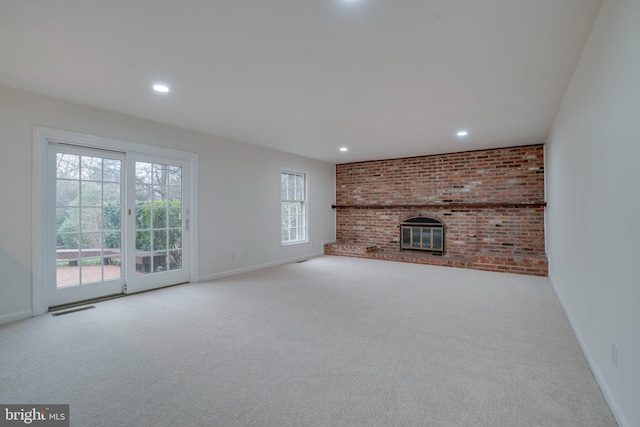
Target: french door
<point x="121" y="223"/>
<point x="158" y="217"/>
<point x="88" y="216"/>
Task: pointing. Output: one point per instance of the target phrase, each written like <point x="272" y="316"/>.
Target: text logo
<point x="39" y="415"/>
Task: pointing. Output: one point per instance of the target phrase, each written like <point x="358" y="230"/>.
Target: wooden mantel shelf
<point x="446" y="205"/>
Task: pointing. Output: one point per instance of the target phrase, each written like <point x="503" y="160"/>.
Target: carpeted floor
<point x="328" y="342"/>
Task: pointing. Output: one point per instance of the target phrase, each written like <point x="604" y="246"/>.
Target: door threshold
<point x="155" y="289"/>
<point x="106" y="298"/>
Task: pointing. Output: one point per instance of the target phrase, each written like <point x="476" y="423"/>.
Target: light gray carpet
<point x="328" y="342"/>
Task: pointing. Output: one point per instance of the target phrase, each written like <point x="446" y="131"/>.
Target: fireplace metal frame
<point x="425" y="227"/>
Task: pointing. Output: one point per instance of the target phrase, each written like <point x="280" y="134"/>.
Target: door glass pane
<point x="91" y="219"/>
<point x="91" y="270"/>
<point x="90" y="242"/>
<point x="143" y="172"/>
<point x="175" y="260"/>
<point x="159" y="174"/>
<point x="90" y="194"/>
<point x="91" y="168"/>
<point x="111" y="170"/>
<point x="67" y="166"/>
<point x="143" y="217"/>
<point x="175" y="216"/>
<point x="112" y="267"/>
<point x="111" y="218"/>
<point x="112" y="243"/>
<point x="67" y="220"/>
<point x="67" y="275"/>
<point x="175" y="176"/>
<point x="111" y="253"/>
<point x="159" y="216"/>
<point x="111" y="194"/>
<point x="159" y="240"/>
<point x="143" y="193"/>
<point x="175" y="194"/>
<point x="159" y="195"/>
<point x="67" y="192"/>
<point x="143" y="240"/>
<point x="159" y="262"/>
<point x="175" y="239"/>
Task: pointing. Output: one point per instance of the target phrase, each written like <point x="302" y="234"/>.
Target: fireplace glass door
<point x="422" y="234"/>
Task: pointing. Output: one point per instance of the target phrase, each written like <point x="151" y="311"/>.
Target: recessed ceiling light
<point x="343" y="149"/>
<point x="161" y="88"/>
<point x="463" y="133"/>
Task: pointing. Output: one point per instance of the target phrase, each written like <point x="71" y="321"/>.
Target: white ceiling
<point x="386" y="78"/>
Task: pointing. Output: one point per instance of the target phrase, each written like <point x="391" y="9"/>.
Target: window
<point x="293" y="205"/>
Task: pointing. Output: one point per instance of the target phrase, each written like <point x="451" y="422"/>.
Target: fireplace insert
<point x="422" y="234"/>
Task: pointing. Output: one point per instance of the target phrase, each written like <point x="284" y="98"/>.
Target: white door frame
<point x="40" y="237"/>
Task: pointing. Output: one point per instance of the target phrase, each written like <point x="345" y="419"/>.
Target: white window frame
<point x="303" y="202"/>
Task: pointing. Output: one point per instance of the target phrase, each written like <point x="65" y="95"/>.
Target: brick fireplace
<point x="490" y="204"/>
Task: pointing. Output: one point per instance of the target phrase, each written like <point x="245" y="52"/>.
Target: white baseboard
<point x="257" y="267"/>
<point x="606" y="391"/>
<point x="14" y="317"/>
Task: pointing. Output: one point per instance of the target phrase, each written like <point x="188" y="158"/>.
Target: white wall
<point x="593" y="193"/>
<point x="238" y="191"/>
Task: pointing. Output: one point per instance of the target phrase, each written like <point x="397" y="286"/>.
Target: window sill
<point x="295" y="244"/>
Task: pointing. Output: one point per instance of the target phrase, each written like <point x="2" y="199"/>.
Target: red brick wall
<point x="507" y="176"/>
